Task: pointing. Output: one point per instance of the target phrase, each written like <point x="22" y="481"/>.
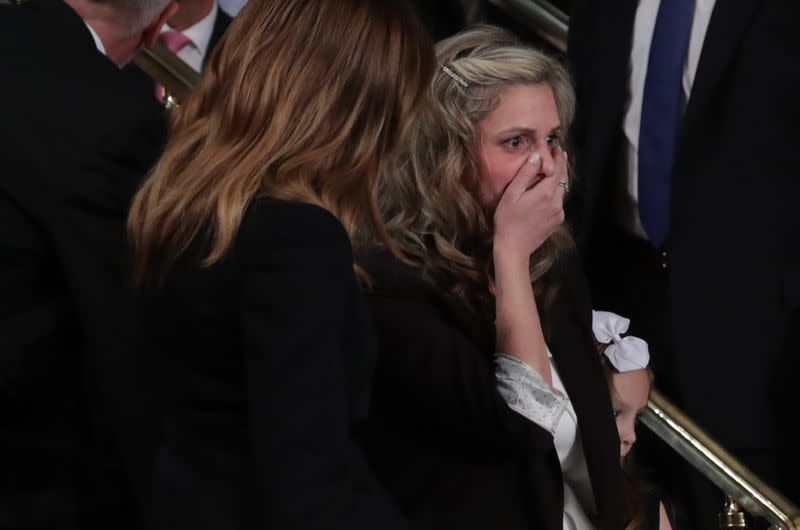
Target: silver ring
<point x="564" y="184"/>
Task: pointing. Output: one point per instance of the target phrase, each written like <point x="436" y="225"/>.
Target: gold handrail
<point x="161" y="64"/>
<point x="699" y="449"/>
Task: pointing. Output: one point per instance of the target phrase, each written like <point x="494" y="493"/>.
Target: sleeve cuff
<point x="527" y="393"/>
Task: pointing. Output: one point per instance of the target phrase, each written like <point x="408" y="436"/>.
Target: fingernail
<point x="535" y="157"/>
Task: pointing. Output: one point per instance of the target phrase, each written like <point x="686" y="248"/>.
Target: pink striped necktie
<point x="175" y="41"/>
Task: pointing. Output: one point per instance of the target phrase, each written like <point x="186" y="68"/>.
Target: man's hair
<point x="138" y="13"/>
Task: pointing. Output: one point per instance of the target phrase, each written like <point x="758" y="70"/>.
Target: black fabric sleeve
<point x="35" y="318"/>
<point x="429" y="369"/>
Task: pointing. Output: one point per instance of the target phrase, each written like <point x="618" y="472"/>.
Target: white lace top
<point x="526" y="392"/>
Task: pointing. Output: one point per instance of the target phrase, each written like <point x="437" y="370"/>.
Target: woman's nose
<point x="548" y="162"/>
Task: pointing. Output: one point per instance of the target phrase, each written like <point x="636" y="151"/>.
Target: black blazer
<point x="221" y="24"/>
<point x="268" y="357"/>
<point x="74" y="143"/>
<point x="145" y="83"/>
<point x="735" y="257"/>
<point x="440" y="437"/>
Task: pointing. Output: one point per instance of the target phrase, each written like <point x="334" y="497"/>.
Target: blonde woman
<point x="474" y="424"/>
<point x="241" y="239"/>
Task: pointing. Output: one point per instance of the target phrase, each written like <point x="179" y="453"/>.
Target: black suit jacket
<point x="74" y="141"/>
<point x="735" y="257"/>
<point x="220" y="26"/>
<point x="145" y="83"/>
<point x="440" y="437"/>
<point x="268" y="357"/>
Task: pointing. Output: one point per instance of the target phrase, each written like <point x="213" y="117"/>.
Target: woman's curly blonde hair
<point x="429" y="193"/>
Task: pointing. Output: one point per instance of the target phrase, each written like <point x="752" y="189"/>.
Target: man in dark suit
<point x="686" y="204"/>
<point x="75" y="140"/>
<point x="191" y="33"/>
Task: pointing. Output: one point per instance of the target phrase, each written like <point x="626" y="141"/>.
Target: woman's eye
<point x="553" y="140"/>
<point x="617" y="412"/>
<point x="516" y="141"/>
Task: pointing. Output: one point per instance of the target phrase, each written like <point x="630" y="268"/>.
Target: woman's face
<point x="629" y="393"/>
<point x="525" y="120"/>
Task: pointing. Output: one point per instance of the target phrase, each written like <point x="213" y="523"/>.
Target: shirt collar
<point x="96" y="37"/>
<point x="200" y="32"/>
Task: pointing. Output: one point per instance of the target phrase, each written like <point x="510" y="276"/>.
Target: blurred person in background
<point x="686" y="211"/>
<point x="75" y="139"/>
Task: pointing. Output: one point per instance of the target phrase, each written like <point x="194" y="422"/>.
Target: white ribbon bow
<point x="626" y="354"/>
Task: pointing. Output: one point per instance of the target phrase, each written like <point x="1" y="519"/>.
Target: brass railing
<point x="740" y="484"/>
<point x="177" y="77"/>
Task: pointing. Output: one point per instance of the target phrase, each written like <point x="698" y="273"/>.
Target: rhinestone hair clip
<point x="457" y="78"/>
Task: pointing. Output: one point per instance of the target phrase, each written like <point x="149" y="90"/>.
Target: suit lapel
<point x="728" y="22"/>
<point x="609" y="62"/>
<point x="220" y="25"/>
<point x="602" y="64"/>
<point x="616" y="30"/>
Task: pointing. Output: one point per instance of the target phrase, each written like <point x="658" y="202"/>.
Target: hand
<point x="531" y="207"/>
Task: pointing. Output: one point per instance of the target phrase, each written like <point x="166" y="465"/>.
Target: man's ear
<point x="150" y="34"/>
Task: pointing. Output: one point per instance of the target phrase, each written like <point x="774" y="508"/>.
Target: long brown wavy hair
<point x="301" y="100"/>
<point x="429" y="194"/>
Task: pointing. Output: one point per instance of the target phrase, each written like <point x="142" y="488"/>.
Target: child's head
<point x="629" y="393"/>
<point x="629" y="379"/>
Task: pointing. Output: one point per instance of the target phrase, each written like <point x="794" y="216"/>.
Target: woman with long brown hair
<point x="241" y="240"/>
<point x="490" y="409"/>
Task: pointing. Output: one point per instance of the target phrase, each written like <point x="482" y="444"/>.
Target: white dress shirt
<point x="199" y="34"/>
<point x="578" y="495"/>
<point x="643" y="27"/>
<point x="96" y="37"/>
<point x="232" y="7"/>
